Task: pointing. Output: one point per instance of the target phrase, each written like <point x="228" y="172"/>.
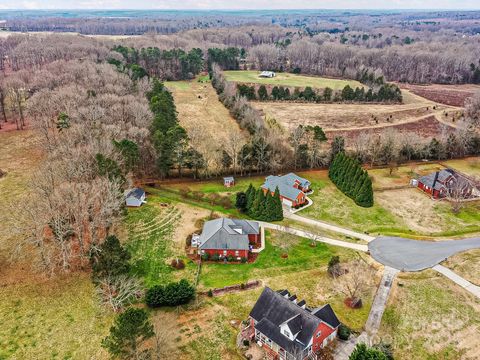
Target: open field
<point x="349" y="117"/>
<point x="430" y="317"/>
<point x="55" y="318"/>
<point x="466" y="264"/>
<point x="454" y="95"/>
<point x="287" y="79"/>
<point x="208" y="123"/>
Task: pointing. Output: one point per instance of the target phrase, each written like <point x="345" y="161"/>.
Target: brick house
<point x="442" y="183"/>
<point x="292" y="188"/>
<point x="229" y="237"/>
<point x="287" y="329"/>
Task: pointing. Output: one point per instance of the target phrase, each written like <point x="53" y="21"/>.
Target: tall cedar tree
<point x="111" y="259"/>
<point x="241" y="201"/>
<point x="129" y="331"/>
<point x="347" y="174"/>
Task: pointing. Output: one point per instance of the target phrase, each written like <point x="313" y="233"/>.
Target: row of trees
<point x="260" y="206"/>
<point x="384" y="93"/>
<point x="347" y="174"/>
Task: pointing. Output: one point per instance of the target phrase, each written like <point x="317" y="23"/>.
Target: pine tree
<point x="278" y="205"/>
<point x="258" y="206"/>
<point x="250" y="193"/>
<point x="269" y="211"/>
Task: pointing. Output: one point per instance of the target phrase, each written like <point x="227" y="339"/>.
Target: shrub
<point x="230" y="258"/>
<point x="215" y="257"/>
<point x="242" y="286"/>
<point x="244" y="260"/>
<point x="246" y="342"/>
<point x="171" y="295"/>
<point x="344" y="332"/>
<point x="205" y="257"/>
<point x="210" y="293"/>
<point x="188" y="240"/>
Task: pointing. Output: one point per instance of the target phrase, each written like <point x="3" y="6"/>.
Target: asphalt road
<point x="413" y="255"/>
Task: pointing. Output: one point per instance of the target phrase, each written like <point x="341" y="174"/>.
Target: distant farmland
<point x="287" y="79"/>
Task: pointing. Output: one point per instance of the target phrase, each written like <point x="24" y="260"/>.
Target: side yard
<point x="430" y="317"/>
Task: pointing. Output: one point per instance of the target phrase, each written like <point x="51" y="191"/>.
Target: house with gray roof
<point x="287" y="329"/>
<point x="445" y="182"/>
<point x="292" y="188"/>
<point x="135" y="197"/>
<point x="228" y="237"/>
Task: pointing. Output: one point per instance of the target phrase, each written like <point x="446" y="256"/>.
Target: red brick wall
<point x="242" y="253"/>
<point x="326" y="331"/>
<point x="254" y="239"/>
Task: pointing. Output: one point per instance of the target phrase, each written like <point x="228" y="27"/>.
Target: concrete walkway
<point x="329" y="227"/>
<point x="315" y="237"/>
<point x="415" y="255"/>
<point x="380" y="301"/>
<point x="467" y="285"/>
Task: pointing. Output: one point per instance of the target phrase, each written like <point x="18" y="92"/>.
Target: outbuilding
<point x="135" y="197"/>
<point x="229" y="181"/>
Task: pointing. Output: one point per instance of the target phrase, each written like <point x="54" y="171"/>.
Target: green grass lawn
<point x="430" y="317"/>
<point x="59" y="318"/>
<point x="287" y="79"/>
<point x="150" y="230"/>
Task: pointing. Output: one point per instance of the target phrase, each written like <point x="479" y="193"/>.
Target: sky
<point x="239" y="4"/>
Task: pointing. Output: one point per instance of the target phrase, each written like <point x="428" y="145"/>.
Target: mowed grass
<point x="150" y="241"/>
<point x="428" y="317"/>
<point x="59" y="318"/>
<point x="286" y="79"/>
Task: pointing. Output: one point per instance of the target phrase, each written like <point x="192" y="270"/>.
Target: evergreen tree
<point x="262" y="92"/>
<point x="269" y="211"/>
<point x="111" y="259"/>
<point x="250" y="193"/>
<point x="278" y="205"/>
<point x="129" y="331"/>
<point x="241" y="201"/>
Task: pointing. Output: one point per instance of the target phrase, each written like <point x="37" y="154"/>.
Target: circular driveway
<point x="414" y="255"/>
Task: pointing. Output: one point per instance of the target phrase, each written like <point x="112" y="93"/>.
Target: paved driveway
<point x="413" y="255"/>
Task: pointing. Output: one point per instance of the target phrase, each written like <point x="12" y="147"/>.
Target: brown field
<point x="453" y="95"/>
<point x="415" y="113"/>
<point x="466" y="264"/>
<point x="207" y="121"/>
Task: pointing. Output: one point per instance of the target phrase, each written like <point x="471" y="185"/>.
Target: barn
<point x="443" y="183"/>
<point x="229" y="237"/>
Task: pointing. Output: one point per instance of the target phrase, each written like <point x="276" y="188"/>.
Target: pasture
<point x="347" y="116"/>
<point x="287" y="79"/>
<point x="430" y="317"/>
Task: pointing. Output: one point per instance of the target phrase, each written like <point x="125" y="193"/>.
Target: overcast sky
<point x="239" y="4"/>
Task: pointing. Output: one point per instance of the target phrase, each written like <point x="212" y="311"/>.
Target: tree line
<point x="385" y="93"/>
<point x="347" y="174"/>
<point x="260" y="205"/>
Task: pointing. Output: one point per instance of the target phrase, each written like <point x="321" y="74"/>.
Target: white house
<point x="135" y="197"/>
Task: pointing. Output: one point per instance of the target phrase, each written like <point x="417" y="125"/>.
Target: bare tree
<point x="355" y="282"/>
<point x="119" y="291"/>
<point x="457" y="192"/>
<point x="472" y="110"/>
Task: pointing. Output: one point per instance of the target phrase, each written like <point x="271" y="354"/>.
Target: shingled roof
<point x="274" y="309"/>
<point x="227" y="234"/>
<point x="285" y="185"/>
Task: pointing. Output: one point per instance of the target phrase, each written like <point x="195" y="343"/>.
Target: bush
<point x="244" y="260"/>
<point x="210" y="293"/>
<point x="230" y="258"/>
<point x="215" y="257"/>
<point x="246" y="342"/>
<point x="188" y="240"/>
<point x="205" y="257"/>
<point x="171" y="295"/>
<point x="344" y="332"/>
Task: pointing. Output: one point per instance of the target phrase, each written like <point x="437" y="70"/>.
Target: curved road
<point x="413" y="255"/>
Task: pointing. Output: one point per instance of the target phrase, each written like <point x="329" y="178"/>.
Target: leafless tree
<point x="119" y="291"/>
<point x="355" y="283"/>
<point x="457" y="192"/>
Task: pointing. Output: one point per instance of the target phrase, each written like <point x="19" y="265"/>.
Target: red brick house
<point x="229" y="237"/>
<point x="443" y="183"/>
<point x="292" y="188"/>
<point x="287" y="329"/>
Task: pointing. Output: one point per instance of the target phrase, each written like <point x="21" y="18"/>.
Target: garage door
<point x="287" y="202"/>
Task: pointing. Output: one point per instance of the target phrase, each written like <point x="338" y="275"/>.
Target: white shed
<point x="267" y="74"/>
<point x="135" y="197"/>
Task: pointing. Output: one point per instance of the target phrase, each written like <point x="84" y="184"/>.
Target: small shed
<point x="267" y="74"/>
<point x="228" y="181"/>
<point x="135" y="197"/>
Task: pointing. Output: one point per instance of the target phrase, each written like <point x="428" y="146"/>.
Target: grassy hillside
<point x="287" y="79"/>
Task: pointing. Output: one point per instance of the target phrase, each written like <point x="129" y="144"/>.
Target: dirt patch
<point x="453" y="95"/>
<point x="413" y="207"/>
<point x="189" y="220"/>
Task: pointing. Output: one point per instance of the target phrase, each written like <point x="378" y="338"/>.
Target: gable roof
<point x="224" y="234"/>
<point x="273" y="309"/>
<point x="285" y="185"/>
<point x="137" y="193"/>
<point x="437" y="182"/>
